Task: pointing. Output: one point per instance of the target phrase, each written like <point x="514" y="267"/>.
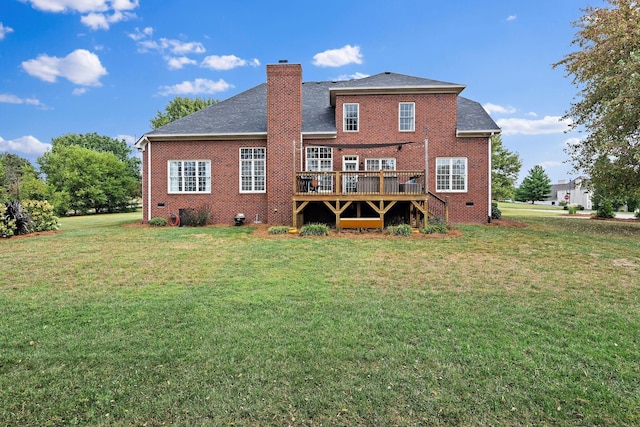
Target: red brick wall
<point x="471" y="206"/>
<point x="284" y="125"/>
<point x="225" y="198"/>
<point x="435" y="119"/>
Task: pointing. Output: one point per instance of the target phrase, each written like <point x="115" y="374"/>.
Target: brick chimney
<point x="284" y="127"/>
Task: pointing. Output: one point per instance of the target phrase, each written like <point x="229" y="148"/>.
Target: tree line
<point x="85" y="173"/>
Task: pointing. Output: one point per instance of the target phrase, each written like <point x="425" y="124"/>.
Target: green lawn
<point x="529" y="209"/>
<point x="106" y="323"/>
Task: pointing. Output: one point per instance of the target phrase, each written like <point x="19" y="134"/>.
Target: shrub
<point x="7" y="225"/>
<point x="158" y="222"/>
<point x="605" y="210"/>
<point x="279" y="229"/>
<point x="496" y="213"/>
<point x="196" y="217"/>
<point x="314" y="230"/>
<point x="563" y="203"/>
<point x="22" y="221"/>
<point x="436" y="220"/>
<point x="573" y="210"/>
<point x="435" y="229"/>
<point x="400" y="230"/>
<point x="41" y="215"/>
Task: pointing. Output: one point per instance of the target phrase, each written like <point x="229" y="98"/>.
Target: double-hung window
<point x="451" y="174"/>
<point x="253" y="170"/>
<point x="189" y="176"/>
<point x="380" y="164"/>
<point x="351" y="113"/>
<point x="407" y="116"/>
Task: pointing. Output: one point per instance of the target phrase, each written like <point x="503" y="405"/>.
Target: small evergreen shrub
<point x="435" y="229"/>
<point x="314" y="230"/>
<point x="496" y="213"/>
<point x="158" y="222"/>
<point x="279" y="229"/>
<point x="197" y="217"/>
<point x="41" y="213"/>
<point x="605" y="210"/>
<point x="400" y="230"/>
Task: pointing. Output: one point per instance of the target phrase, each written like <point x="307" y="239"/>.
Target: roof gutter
<point x="477" y="133"/>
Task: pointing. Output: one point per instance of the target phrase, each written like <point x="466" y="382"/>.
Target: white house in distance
<point x="574" y="192"/>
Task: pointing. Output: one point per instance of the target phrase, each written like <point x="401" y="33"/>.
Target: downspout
<point x="148" y="181"/>
<point x="426" y="164"/>
<point x="490" y="169"/>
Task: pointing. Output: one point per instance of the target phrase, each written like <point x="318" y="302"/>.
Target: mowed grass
<point x="110" y="324"/>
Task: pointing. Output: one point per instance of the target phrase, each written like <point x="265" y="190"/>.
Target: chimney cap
<point x="283" y="61"/>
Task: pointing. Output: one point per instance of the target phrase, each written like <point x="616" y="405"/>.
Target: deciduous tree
<point x="180" y="107"/>
<point x="16" y="170"/>
<point x="505" y="167"/>
<point x="535" y="186"/>
<point x="101" y="143"/>
<point x="87" y="179"/>
<point x="606" y="68"/>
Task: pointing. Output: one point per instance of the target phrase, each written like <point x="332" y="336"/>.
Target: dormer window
<point x="350" y="117"/>
<point x="407" y="116"/>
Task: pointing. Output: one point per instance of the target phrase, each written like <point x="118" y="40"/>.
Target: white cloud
<point x="4" y="31"/>
<point x="141" y="34"/>
<point x="226" y="62"/>
<point x="532" y="114"/>
<point x="354" y="76"/>
<point x="99" y="14"/>
<point x="195" y="87"/>
<point x="79" y="91"/>
<point x="102" y="21"/>
<point x="8" y="98"/>
<point x="551" y="164"/>
<point x="26" y="145"/>
<point x="80" y="67"/>
<point x="498" y="109"/>
<point x="338" y="57"/>
<point x="176" y="47"/>
<point x="127" y="138"/>
<point x="511" y="18"/>
<point x="546" y="125"/>
<point x="176" y="63"/>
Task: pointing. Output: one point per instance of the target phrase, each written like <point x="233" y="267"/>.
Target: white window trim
<point x="466" y="175"/>
<point x="240" y="160"/>
<point x="413" y="118"/>
<point x="197" y="169"/>
<point x="344" y="117"/>
<point x="379" y="160"/>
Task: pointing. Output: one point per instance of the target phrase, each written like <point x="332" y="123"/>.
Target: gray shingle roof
<point x="473" y="117"/>
<point x="246" y="113"/>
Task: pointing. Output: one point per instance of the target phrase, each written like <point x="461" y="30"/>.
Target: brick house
<point x="384" y="149"/>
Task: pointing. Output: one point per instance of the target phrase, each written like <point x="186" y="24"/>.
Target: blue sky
<point x="108" y="66"/>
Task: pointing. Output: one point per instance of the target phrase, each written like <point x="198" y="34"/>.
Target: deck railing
<point x="339" y="183"/>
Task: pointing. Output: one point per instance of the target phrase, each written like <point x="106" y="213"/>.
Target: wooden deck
<point x="378" y="192"/>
